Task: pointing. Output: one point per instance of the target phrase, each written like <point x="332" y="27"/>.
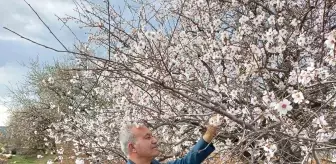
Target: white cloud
<point x="17" y="15"/>
<point x="10" y="73"/>
<point x="3" y="115"/>
<point x="4" y="111"/>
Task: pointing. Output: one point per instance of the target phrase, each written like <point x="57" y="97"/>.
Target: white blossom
<point x="50" y="161"/>
<point x="79" y="161"/>
<point x="297" y="97"/>
<point x="320" y="121"/>
<point x="51" y="80"/>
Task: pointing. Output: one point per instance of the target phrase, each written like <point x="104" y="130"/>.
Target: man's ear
<point x="131" y="147"/>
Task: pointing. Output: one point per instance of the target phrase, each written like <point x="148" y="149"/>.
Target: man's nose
<point x="154" y="140"/>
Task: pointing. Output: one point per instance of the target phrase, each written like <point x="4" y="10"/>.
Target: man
<point x="140" y="146"/>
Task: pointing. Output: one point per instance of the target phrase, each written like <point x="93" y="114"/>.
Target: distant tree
<point x="31" y="113"/>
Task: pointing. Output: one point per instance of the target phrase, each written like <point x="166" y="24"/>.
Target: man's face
<point x="145" y="144"/>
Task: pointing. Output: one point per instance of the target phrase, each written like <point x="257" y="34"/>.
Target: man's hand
<point x="212" y="128"/>
<point x="210" y="133"/>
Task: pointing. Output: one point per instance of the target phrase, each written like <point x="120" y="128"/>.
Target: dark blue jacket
<point x="194" y="156"/>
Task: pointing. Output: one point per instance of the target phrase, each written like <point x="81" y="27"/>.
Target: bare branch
<point x="46" y="25"/>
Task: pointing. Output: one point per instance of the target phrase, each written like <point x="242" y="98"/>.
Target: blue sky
<point x="16" y="15"/>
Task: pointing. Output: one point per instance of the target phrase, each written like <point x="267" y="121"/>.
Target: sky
<point x="15" y="51"/>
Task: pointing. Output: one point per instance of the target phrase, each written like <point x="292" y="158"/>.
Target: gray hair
<point x="125" y="137"/>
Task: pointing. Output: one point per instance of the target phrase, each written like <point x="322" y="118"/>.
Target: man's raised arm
<point x="201" y="150"/>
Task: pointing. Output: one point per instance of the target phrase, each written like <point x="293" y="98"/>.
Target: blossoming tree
<point x="265" y="68"/>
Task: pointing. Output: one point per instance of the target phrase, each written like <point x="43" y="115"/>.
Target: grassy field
<point x="30" y="159"/>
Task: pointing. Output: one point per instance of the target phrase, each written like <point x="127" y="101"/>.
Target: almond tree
<point x="266" y="67"/>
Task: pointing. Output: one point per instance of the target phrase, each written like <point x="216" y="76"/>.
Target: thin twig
<point x="317" y="160"/>
<point x="46" y="25"/>
<point x="109" y="29"/>
<point x="56" y="50"/>
<point x="64" y="23"/>
<point x="322" y="83"/>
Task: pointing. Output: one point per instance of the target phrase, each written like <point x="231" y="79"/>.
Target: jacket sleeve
<point x="197" y="154"/>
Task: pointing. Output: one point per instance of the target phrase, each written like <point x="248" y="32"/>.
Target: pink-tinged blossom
<point x="331" y="40"/>
<point x="283" y="107"/>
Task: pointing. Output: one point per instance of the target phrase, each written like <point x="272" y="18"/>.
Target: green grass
<point x="19" y="159"/>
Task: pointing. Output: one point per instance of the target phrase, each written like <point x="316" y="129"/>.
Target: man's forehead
<point x="140" y="130"/>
